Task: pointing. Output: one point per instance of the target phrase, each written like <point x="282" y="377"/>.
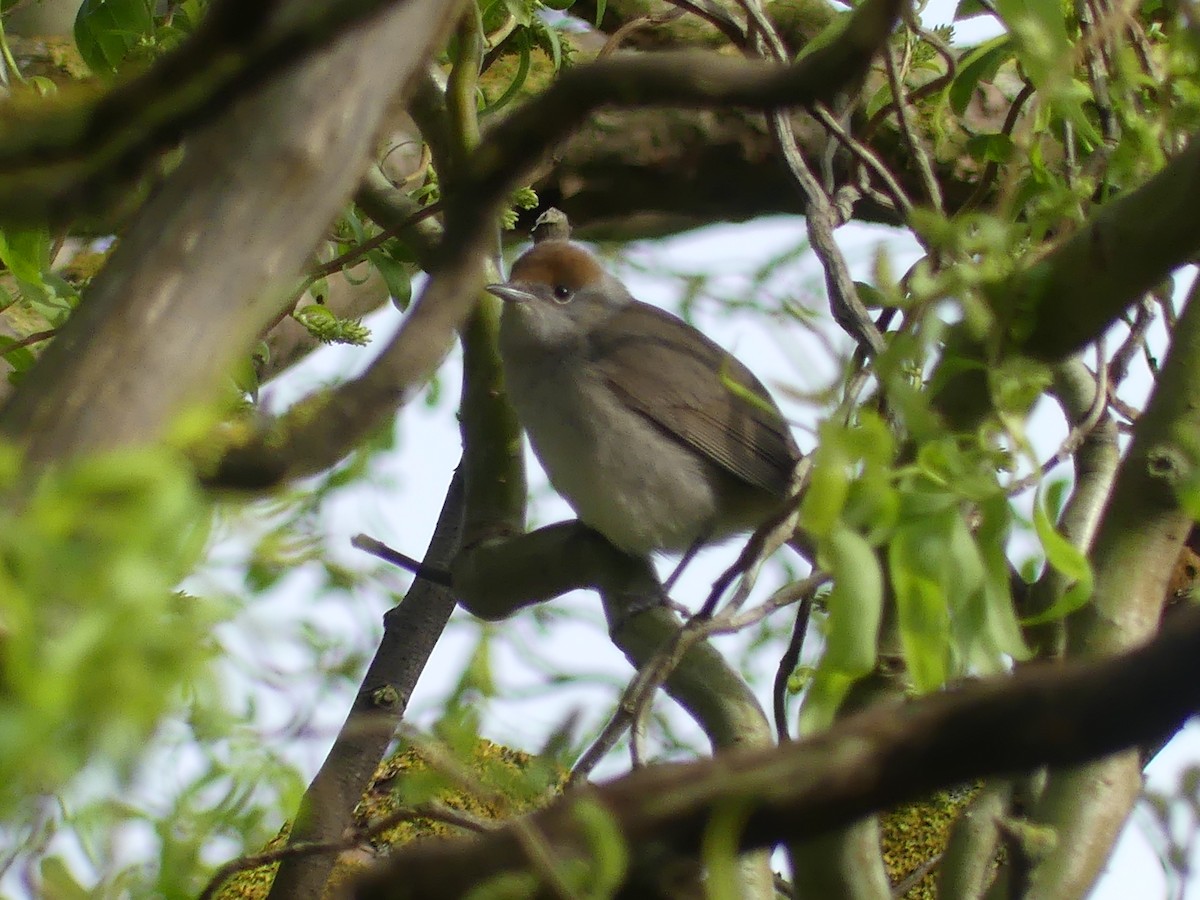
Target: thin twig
<point x="635" y="25"/>
<point x="1095" y="47"/>
<point x="654" y="673"/>
<point x="600" y="747"/>
<point x="437" y="812"/>
<point x="903" y="120"/>
<point x="537" y="849"/>
<point x="765" y="540"/>
<point x="821" y="219"/>
<point x="717" y="17"/>
<point x="916" y="876"/>
<point x="1129" y="411"/>
<point x="404" y="561"/>
<point x="30" y="339"/>
<point x="992" y="169"/>
<point x="1078" y="432"/>
<point x="1118" y="366"/>
<point x="866" y="156"/>
<point x="357" y="252"/>
<point x="787" y="665"/>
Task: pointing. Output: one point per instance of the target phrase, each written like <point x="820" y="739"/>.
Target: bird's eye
<point x="562" y="293"/>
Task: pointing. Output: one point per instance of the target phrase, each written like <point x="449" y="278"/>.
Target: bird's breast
<point x="639" y="487"/>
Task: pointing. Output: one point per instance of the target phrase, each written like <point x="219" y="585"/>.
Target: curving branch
<point x="1132" y="556"/>
<point x="1045" y="715"/>
<point x="1071" y="296"/>
<point x="682" y="78"/>
<point x="181" y="297"/>
<point x="410" y="631"/>
<point x="78" y="156"/>
<point x="316" y="438"/>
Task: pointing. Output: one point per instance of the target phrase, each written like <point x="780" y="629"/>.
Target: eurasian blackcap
<point x="657" y="437"/>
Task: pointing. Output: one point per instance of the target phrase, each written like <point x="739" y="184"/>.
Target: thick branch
<point x="1133" y="557"/>
<point x="411" y="630"/>
<point x="679" y="78"/>
<point x="192" y="282"/>
<point x="1129" y="246"/>
<point x="71" y="157"/>
<point x="495" y="578"/>
<point x="1045" y="715"/>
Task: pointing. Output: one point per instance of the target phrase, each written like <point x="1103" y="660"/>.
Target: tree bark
<point x="203" y="268"/>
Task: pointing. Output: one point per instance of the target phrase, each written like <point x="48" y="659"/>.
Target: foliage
<point x="90" y="610"/>
<point x="131" y="636"/>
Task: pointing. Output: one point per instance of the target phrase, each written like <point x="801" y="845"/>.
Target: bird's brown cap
<point x="557" y="263"/>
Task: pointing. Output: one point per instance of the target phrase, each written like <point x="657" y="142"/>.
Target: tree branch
<point x="1067" y="299"/>
<point x="72" y="157"/>
<point x="1044" y="715"/>
<point x="190" y="285"/>
<point x="411" y="630"/>
<point x="1132" y="557"/>
<point x="676" y="78"/>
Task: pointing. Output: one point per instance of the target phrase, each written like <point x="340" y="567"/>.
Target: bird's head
<point x="557" y="293"/>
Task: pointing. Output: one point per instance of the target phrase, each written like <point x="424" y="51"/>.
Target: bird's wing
<point x="692" y="389"/>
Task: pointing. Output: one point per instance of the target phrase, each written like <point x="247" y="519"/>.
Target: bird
<point x="657" y="437"/>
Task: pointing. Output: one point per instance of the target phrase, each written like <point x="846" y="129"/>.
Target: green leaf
<point x="828" y="488"/>
<point x="59" y="883"/>
<point x="978" y="65"/>
<point x="873" y="505"/>
<point x="855" y="608"/>
<point x="831" y="32"/>
<point x="1047" y="54"/>
<point x="916" y="561"/>
<point x="1068" y="560"/>
<point x="992" y="631"/>
<point x="26" y="253"/>
<point x="855" y="604"/>
<point x="719" y="848"/>
<point x="555" y="42"/>
<point x="871" y="296"/>
<point x="106" y="31"/>
<point x="969" y="9"/>
<point x="606" y="845"/>
<point x="395" y="276"/>
<point x="997" y="148"/>
<point x="1039" y="30"/>
<point x="521" y="10"/>
<point x="521" y="41"/>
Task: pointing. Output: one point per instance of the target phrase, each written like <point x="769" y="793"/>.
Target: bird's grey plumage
<point x="656" y="436"/>
<point x="730" y="418"/>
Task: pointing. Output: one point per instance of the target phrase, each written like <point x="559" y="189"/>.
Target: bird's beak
<point x="509" y="294"/>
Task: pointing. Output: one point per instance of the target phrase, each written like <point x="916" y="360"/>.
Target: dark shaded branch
<point x="682" y="78"/>
<point x="1071" y="296"/>
<point x="195" y="278"/>
<point x="411" y="630"/>
<point x="66" y="158"/>
<point x="494" y="578"/>
<point x="1044" y="715"/>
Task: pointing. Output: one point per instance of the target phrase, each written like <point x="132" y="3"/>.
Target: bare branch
<point x="1045" y="715"/>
